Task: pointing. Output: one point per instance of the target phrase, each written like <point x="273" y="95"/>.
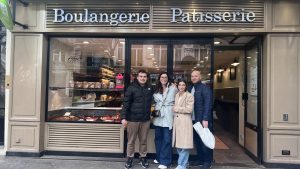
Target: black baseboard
<point x="23" y="154"/>
<point x="86" y="154"/>
<point x="281" y="165"/>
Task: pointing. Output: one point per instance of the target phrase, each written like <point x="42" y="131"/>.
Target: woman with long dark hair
<point x="164" y="97"/>
<point x="183" y="126"/>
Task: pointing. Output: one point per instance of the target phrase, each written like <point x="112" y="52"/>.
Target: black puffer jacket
<point x="137" y="103"/>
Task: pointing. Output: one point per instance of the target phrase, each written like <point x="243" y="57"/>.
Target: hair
<point x="159" y="87"/>
<point x="143" y="71"/>
<point x="196" y="70"/>
<point x="184" y="81"/>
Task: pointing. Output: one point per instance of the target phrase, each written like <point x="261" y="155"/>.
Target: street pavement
<point x="58" y="162"/>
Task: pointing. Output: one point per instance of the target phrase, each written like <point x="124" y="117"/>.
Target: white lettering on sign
<point x="113" y="19"/>
<point x="179" y="16"/>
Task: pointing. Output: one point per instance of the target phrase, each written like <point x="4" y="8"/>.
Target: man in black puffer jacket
<point x="135" y="116"/>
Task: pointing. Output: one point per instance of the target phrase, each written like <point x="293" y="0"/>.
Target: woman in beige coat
<point x="183" y="126"/>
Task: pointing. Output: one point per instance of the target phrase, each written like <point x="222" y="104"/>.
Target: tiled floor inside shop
<point x="228" y="151"/>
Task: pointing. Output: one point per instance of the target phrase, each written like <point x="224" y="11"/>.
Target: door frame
<point x="258" y="129"/>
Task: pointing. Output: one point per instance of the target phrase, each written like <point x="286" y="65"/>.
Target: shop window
<point x="86" y="79"/>
<point x="192" y="56"/>
<point x="150" y="57"/>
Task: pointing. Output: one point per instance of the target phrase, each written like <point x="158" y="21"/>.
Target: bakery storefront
<point x="68" y="69"/>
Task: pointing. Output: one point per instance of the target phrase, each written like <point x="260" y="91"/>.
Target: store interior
<point x="231" y="63"/>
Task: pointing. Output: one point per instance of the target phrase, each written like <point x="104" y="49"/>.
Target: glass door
<point x="252" y="100"/>
<point x="192" y="54"/>
<point x="150" y="57"/>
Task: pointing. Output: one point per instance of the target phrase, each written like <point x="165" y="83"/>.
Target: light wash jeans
<point x="183" y="158"/>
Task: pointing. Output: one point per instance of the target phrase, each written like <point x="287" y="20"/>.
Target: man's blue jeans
<point x="163" y="145"/>
<point x="183" y="158"/>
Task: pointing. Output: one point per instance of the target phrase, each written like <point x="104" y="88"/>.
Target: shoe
<point x="162" y="166"/>
<point x="195" y="163"/>
<point x="155" y="161"/>
<point x="178" y="167"/>
<point x="144" y="162"/>
<point x="128" y="164"/>
<point x="206" y="166"/>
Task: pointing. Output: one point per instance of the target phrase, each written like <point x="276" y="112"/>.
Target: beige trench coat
<point x="183" y="126"/>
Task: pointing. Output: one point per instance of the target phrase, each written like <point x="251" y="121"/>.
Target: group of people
<point x="179" y="106"/>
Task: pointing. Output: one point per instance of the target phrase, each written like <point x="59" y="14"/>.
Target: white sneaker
<point x="162" y="166"/>
<point x="156" y="162"/>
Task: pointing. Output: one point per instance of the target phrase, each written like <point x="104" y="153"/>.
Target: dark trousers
<point x="204" y="154"/>
<point x="163" y="145"/>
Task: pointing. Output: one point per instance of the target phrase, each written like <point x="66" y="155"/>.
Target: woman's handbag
<point x="156" y="113"/>
<point x="206" y="136"/>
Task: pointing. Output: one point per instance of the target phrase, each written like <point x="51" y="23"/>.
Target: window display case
<point x="86" y="80"/>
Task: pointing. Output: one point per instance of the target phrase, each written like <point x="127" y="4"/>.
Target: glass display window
<point x="86" y="79"/>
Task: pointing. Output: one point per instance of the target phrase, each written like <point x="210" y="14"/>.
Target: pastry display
<point x="71" y="84"/>
<point x="78" y="84"/>
<point x="91" y="85"/>
<point x="65" y="118"/>
<point x="98" y="85"/>
<point x="85" y="85"/>
<point x="88" y="96"/>
<point x="91" y="118"/>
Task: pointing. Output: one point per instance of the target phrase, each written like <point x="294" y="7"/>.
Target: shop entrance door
<point x="252" y="100"/>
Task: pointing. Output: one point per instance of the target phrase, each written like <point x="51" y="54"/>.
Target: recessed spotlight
<point x="86" y="42"/>
<point x="217" y="42"/>
<point x="202" y="61"/>
<point x="248" y="57"/>
<point x="122" y="43"/>
<point x="151" y="54"/>
<point x="120" y="60"/>
<point x="153" y="58"/>
<point x="149" y="48"/>
<point x="113" y="56"/>
<point x="154" y="62"/>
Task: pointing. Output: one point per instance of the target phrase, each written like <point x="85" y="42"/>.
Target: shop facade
<point x="66" y="74"/>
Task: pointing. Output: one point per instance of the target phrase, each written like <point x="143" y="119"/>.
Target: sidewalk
<point x="57" y="162"/>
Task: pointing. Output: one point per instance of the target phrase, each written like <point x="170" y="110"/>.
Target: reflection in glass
<point x="152" y="58"/>
<point x="85" y="73"/>
<point x="191" y="56"/>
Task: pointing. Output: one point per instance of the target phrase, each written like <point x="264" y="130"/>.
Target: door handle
<point x="245" y="96"/>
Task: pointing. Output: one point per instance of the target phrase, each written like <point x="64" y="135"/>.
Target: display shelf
<point x="88" y="89"/>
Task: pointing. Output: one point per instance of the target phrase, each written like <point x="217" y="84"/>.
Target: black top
<point x="137" y="103"/>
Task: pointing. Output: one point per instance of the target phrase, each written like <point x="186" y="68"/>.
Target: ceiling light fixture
<point x="235" y="63"/>
<point x="86" y="42"/>
<point x="217" y="42"/>
<point x="220" y="69"/>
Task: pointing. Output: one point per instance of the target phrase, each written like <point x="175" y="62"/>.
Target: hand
<point x="205" y="124"/>
<point x="174" y="109"/>
<point x="124" y="122"/>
